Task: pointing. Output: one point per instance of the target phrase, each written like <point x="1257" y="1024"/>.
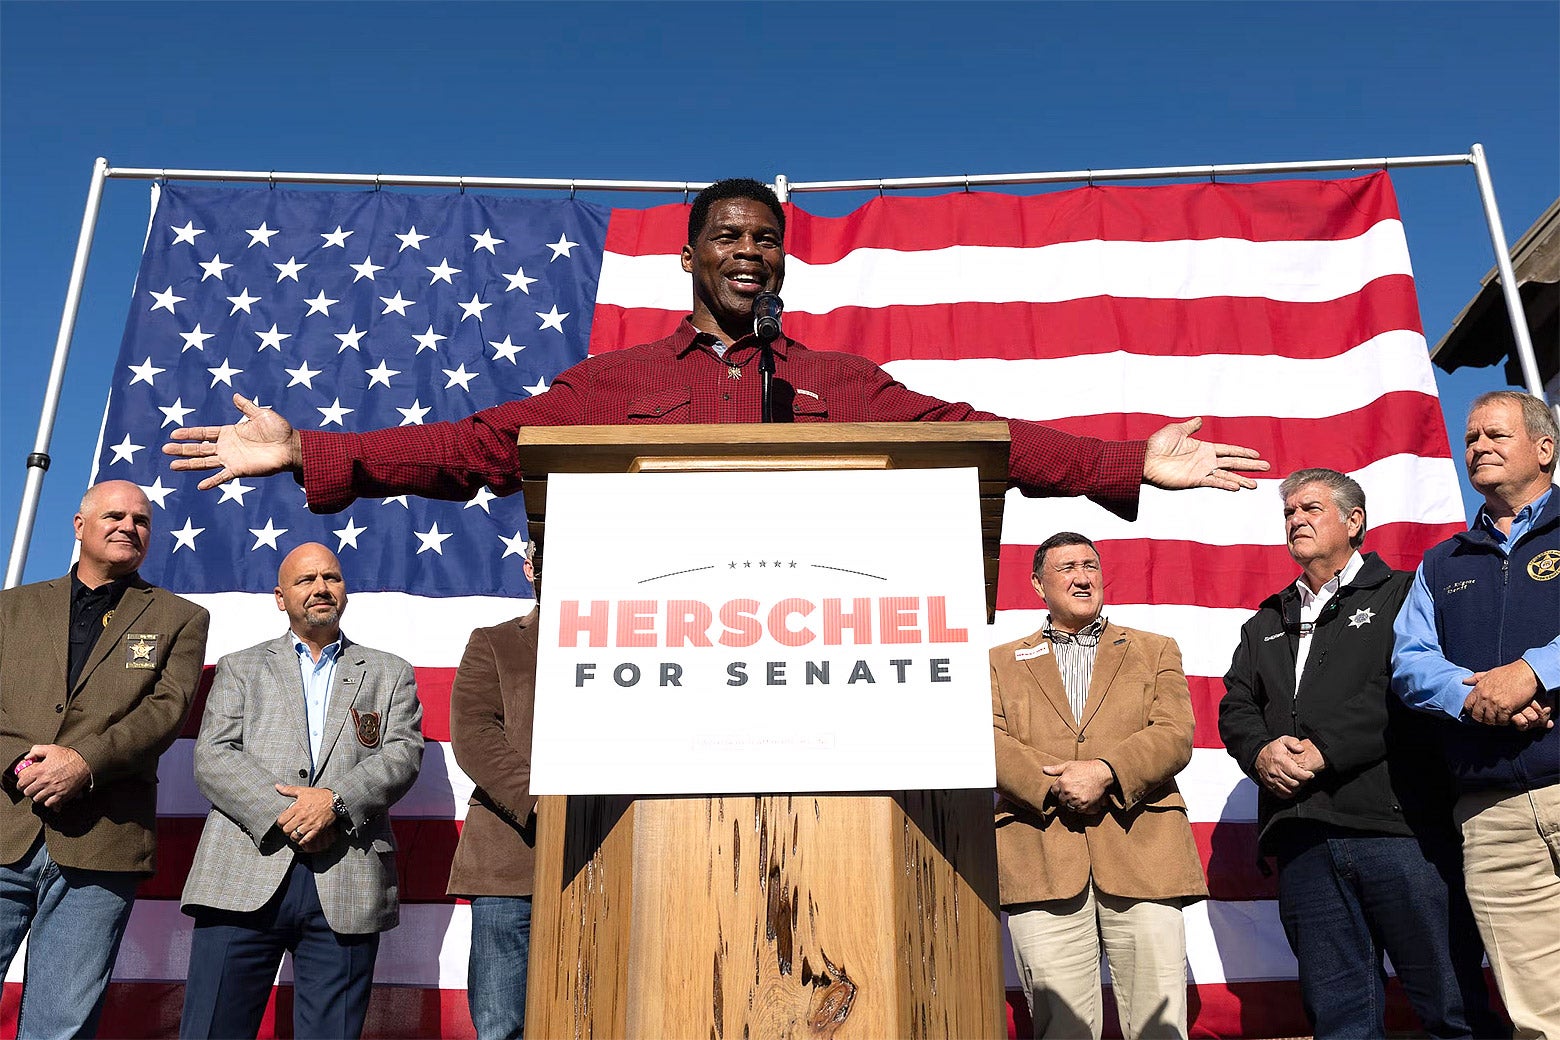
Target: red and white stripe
<point x="1284" y="313"/>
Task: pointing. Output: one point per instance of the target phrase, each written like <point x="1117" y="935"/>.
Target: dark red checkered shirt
<point x="681" y="379"/>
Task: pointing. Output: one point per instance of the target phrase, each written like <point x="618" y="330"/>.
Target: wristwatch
<point x="343" y="817"/>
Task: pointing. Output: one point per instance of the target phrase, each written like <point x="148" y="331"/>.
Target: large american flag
<point x="1284" y="312"/>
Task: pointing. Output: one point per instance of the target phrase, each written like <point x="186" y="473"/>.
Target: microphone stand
<point x="766" y="371"/>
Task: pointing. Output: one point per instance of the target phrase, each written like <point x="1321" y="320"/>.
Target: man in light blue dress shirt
<point x="1478" y="641"/>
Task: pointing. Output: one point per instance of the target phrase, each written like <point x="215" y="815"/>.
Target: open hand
<point x="1175" y="460"/>
<point x="265" y="444"/>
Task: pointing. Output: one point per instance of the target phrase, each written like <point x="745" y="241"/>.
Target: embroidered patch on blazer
<point x="367" y="726"/>
<point x="141" y="649"/>
<point x="1032" y="653"/>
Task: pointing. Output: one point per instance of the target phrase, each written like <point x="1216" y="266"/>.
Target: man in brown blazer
<point x="97" y="672"/>
<point x="491" y="709"/>
<point x="1093" y="721"/>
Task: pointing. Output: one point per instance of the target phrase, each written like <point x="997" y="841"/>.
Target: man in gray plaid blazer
<point x="306" y="742"/>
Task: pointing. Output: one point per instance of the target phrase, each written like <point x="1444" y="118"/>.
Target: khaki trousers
<point x="1057" y="947"/>
<point x="1511" y="861"/>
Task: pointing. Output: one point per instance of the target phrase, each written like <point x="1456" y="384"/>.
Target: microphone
<point x="766" y="316"/>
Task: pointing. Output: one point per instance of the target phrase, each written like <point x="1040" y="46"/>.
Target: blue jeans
<point x="1347" y="897"/>
<point x="75" y="920"/>
<point x="496" y="972"/>
<point x="234" y="956"/>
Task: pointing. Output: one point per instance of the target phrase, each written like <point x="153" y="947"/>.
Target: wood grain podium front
<point x="778" y="915"/>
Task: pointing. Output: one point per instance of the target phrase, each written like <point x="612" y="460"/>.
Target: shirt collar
<point x="111" y="589"/>
<point x="1350" y="571"/>
<point x="688" y="338"/>
<point x="1526" y="515"/>
<point x="330" y="650"/>
<point x="1088" y="635"/>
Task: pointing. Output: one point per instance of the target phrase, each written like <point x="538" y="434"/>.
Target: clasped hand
<point x="1080" y="786"/>
<point x="309" y="822"/>
<point x="1286" y="764"/>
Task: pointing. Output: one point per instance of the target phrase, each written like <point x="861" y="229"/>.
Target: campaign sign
<point x="708" y="633"/>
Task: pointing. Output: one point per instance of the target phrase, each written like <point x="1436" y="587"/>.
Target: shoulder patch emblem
<point x="1545" y="566"/>
<point x="1362" y="617"/>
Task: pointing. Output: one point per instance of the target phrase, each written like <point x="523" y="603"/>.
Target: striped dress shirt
<point x="1075" y="659"/>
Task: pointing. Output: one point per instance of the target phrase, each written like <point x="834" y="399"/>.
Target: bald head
<point x="114" y="527"/>
<point x="309" y="587"/>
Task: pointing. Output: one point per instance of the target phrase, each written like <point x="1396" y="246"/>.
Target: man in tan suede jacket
<point x="1092" y="723"/>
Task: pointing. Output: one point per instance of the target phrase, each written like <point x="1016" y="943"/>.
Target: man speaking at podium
<point x="706" y="371"/>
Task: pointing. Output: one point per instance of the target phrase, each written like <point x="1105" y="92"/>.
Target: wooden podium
<point x="780" y="915"/>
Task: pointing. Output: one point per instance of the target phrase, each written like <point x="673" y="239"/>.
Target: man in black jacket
<point x="1353" y="799"/>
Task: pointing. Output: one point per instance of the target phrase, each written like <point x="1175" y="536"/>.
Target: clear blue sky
<point x="700" y="91"/>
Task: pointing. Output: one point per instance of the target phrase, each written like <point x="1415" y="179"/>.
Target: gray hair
<point x="1536" y="416"/>
<point x="1346" y="492"/>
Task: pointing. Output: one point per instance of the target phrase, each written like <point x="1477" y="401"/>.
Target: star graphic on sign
<point x="411" y="240"/>
<point x="561" y="248"/>
<point x="350" y="338"/>
<point x="155" y="492"/>
<point x="186" y="233"/>
<point x="366" y="269"/>
<point x="166" y="300"/>
<point x="335" y="413"/>
<point x="513" y="546"/>
<point x="461" y="376"/>
<point x="224" y="373"/>
<point x="175" y="412"/>
<point x="481" y="500"/>
<point x="213" y="268"/>
<point x="379" y="375"/>
<point x="195" y="338"/>
<point x="443" y="271"/>
<point x="145" y="372"/>
<point x="399" y="500"/>
<point x="486" y="241"/>
<point x="290" y="269"/>
<point x="272" y="338"/>
<point x="185" y="538"/>
<point x="302" y="374"/>
<point x="234" y="491"/>
<point x="1360" y="618"/>
<point x="506" y="349"/>
<point x="260" y="235"/>
<point x="552" y="319"/>
<point x="539" y="388"/>
<point x="241" y="302"/>
<point x="125" y="451"/>
<point x="337" y="237"/>
<point x="518" y="280"/>
<point x="428" y="340"/>
<point x="431" y="539"/>
<point x="266" y="535"/>
<point x="414" y="415"/>
<point x="348" y="534"/>
<point x="472" y="308"/>
<point x="396" y="303"/>
<point x="321" y="304"/>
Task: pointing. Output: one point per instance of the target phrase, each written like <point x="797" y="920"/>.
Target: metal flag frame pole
<point x="38" y="460"/>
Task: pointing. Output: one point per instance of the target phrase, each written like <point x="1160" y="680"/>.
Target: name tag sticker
<point x="141" y="649"/>
<point x="1032" y="653"/>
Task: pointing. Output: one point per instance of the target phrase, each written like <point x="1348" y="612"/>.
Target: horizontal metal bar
<point x="1143" y="173"/>
<point x="792" y="187"/>
<point x="403" y="180"/>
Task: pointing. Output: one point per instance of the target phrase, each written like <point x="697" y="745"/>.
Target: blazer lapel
<point x="1107" y="662"/>
<point x="56" y="604"/>
<point x="1049" y="678"/>
<point x="131" y="606"/>
<point x="350" y="670"/>
<point x="286" y="678"/>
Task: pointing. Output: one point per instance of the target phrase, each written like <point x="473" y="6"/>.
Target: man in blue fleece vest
<point x="1479" y="640"/>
